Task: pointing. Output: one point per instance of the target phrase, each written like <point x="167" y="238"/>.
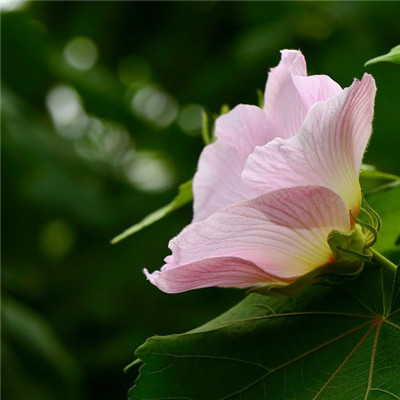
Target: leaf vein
<point x="392" y="324"/>
<point x="347" y="358"/>
<point x="371" y="367"/>
<point x="295" y="314"/>
<point x="300" y="357"/>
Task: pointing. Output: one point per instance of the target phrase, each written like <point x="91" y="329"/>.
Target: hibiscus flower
<point x="275" y="184"/>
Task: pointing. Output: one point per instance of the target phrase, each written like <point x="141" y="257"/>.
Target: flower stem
<point x="379" y="259"/>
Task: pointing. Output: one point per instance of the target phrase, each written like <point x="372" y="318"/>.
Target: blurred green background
<point x="100" y="123"/>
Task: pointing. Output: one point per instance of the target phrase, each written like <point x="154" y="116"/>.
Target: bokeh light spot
<point x="154" y="105"/>
<point x="65" y="107"/>
<point x="148" y="171"/>
<point x="12" y="5"/>
<point x="103" y="140"/>
<point x="81" y="53"/>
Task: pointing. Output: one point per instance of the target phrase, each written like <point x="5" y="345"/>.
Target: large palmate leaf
<point x="331" y="342"/>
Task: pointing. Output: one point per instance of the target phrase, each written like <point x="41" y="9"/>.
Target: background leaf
<point x="374" y="181"/>
<point x="393" y="56"/>
<point x="387" y="204"/>
<point x="370" y="172"/>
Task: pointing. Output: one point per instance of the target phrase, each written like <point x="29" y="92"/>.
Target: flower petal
<point x="244" y="127"/>
<point x="280" y="235"/>
<point x="327" y="151"/>
<point x="289" y="92"/>
<point x="216" y="271"/>
<point x="217" y="182"/>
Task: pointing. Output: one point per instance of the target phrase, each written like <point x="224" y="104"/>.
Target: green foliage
<point x="332" y="341"/>
<point x="374" y="181"/>
<point x="393" y="56"/>
<point x="183" y="197"/>
<point x="370" y="172"/>
<point x="387" y="204"/>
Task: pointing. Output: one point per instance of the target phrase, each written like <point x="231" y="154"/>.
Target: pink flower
<point x="274" y="184"/>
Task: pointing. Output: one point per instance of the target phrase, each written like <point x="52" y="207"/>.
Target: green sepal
<point x="349" y="246"/>
<point x="206" y="127"/>
<point x="260" y="98"/>
<point x="208" y="123"/>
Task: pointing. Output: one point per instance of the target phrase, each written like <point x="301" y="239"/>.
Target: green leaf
<point x="370" y="172"/>
<point x="393" y="56"/>
<point x="337" y="341"/>
<point x="183" y="197"/>
<point x="373" y="180"/>
<point x="387" y="205"/>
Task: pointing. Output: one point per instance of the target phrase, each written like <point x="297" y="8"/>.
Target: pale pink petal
<point x="289" y="92"/>
<point x="216" y="271"/>
<point x="217" y="182"/>
<point x="327" y="151"/>
<point x="244" y="127"/>
<point x="315" y="88"/>
<point x="282" y="234"/>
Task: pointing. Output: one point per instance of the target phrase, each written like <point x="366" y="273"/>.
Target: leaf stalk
<point x="382" y="261"/>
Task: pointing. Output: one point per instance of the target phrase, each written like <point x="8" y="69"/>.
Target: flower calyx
<point x="354" y="246"/>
